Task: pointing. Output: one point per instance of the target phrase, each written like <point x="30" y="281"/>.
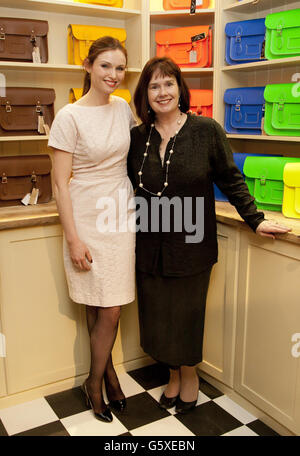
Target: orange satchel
<point x="184" y="4"/>
<point x="201" y="102"/>
<point x="187" y="46"/>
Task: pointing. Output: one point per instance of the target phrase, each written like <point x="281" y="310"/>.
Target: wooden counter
<point x="46" y="214"/>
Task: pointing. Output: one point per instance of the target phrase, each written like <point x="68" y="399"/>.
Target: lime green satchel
<point x="282" y="34"/>
<point x="282" y="109"/>
<point x="264" y="177"/>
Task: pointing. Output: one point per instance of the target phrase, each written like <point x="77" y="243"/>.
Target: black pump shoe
<point x="167" y="402"/>
<point x="105" y="416"/>
<point x="184" y="407"/>
<point x="118" y="405"/>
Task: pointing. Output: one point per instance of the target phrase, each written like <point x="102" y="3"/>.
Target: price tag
<point x="193" y="56"/>
<point x="36" y="57"/>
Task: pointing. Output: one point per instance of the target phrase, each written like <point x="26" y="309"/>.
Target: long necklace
<point x="171" y="152"/>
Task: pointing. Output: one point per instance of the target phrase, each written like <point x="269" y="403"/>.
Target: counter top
<point x="46" y="214"/>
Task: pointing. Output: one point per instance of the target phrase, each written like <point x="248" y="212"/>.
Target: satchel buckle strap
<point x="8" y="106"/>
<point x="38" y="107"/>
<point x="2" y="33"/>
<point x="263" y="180"/>
<point x="33" y="38"/>
<point x="4" y="179"/>
<point x="33" y="177"/>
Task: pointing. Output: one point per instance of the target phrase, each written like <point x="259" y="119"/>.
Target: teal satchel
<point x="282" y="109"/>
<point x="264" y="177"/>
<point x="282" y="34"/>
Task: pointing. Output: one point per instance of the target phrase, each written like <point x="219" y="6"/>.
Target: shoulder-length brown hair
<point x="106" y="43"/>
<point x="167" y="67"/>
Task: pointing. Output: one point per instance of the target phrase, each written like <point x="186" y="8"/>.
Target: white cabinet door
<point x="267" y="373"/>
<point x="219" y="331"/>
<point x="46" y="337"/>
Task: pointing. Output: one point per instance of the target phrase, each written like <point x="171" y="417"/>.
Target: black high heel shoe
<point x="167" y="402"/>
<point x="105" y="416"/>
<point x="118" y="405"/>
<point x="184" y="407"/>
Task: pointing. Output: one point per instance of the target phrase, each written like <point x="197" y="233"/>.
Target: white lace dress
<point x="101" y="194"/>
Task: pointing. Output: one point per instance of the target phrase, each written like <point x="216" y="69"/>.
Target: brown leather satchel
<point x="20" y="174"/>
<point x="26" y="111"/>
<point x="23" y="40"/>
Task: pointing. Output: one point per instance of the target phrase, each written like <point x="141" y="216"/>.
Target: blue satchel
<point x="244" y="110"/>
<point x="245" y="41"/>
<point x="239" y="159"/>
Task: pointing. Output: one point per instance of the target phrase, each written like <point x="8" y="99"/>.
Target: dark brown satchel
<point x="24" y="111"/>
<point x="20" y="174"/>
<point x="20" y="38"/>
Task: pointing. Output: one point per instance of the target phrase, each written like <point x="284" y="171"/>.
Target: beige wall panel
<point x="45" y="331"/>
<point x="218" y="347"/>
<point x="268" y="316"/>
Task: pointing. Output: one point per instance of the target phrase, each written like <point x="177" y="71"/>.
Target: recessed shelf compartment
<point x="68" y="7"/>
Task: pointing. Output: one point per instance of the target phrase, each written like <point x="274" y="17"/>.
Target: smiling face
<point x="163" y="93"/>
<point x="107" y="71"/>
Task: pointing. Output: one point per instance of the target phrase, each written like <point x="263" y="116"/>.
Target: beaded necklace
<point x="171" y="152"/>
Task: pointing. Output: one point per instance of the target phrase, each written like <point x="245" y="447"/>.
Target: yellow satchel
<point x="291" y="190"/>
<point x="114" y="3"/>
<point x="75" y="94"/>
<point x="80" y="38"/>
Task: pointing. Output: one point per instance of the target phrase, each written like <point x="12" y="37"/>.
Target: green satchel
<point x="264" y="177"/>
<point x="282" y="34"/>
<point x="282" y="109"/>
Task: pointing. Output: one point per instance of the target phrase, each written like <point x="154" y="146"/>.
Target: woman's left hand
<point x="268" y="228"/>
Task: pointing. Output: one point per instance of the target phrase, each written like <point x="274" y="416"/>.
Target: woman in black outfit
<point x="174" y="159"/>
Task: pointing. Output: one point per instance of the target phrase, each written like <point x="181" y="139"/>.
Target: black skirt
<point x="171" y="316"/>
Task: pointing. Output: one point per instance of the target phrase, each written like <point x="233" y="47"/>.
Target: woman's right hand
<point x="80" y="255"/>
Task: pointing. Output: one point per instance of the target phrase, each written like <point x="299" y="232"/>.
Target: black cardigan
<point x="202" y="156"/>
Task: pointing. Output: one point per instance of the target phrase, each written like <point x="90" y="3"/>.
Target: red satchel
<point x="188" y="46"/>
<point x="201" y="102"/>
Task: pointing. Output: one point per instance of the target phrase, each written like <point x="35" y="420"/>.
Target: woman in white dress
<point x="91" y="139"/>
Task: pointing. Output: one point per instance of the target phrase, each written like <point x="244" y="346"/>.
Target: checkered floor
<point x="66" y="413"/>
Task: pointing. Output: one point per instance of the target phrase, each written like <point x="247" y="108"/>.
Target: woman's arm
<point x="62" y="169"/>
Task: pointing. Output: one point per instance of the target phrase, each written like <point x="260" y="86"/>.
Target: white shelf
<point x="264" y="65"/>
<point x="24" y="138"/>
<point x="248" y="6"/>
<point x="266" y="138"/>
<point x="68" y="7"/>
<point x="49" y="67"/>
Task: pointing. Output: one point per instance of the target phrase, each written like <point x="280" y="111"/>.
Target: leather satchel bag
<point x="283" y="34"/>
<point x="23" y="175"/>
<point x="189" y="47"/>
<point x="244" y="110"/>
<point x="245" y="41"/>
<point x="264" y="177"/>
<point x="201" y="102"/>
<point x="282" y="110"/>
<point x="81" y="37"/>
<point x="23" y="40"/>
<point x="291" y="190"/>
<point x="26" y="111"/>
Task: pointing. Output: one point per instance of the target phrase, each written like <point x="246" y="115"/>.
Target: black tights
<point x="102" y="323"/>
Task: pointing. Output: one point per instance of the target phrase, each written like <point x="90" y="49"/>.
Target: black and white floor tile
<point x="66" y="413"/>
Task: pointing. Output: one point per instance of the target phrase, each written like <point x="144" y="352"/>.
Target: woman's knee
<point x="112" y="315"/>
